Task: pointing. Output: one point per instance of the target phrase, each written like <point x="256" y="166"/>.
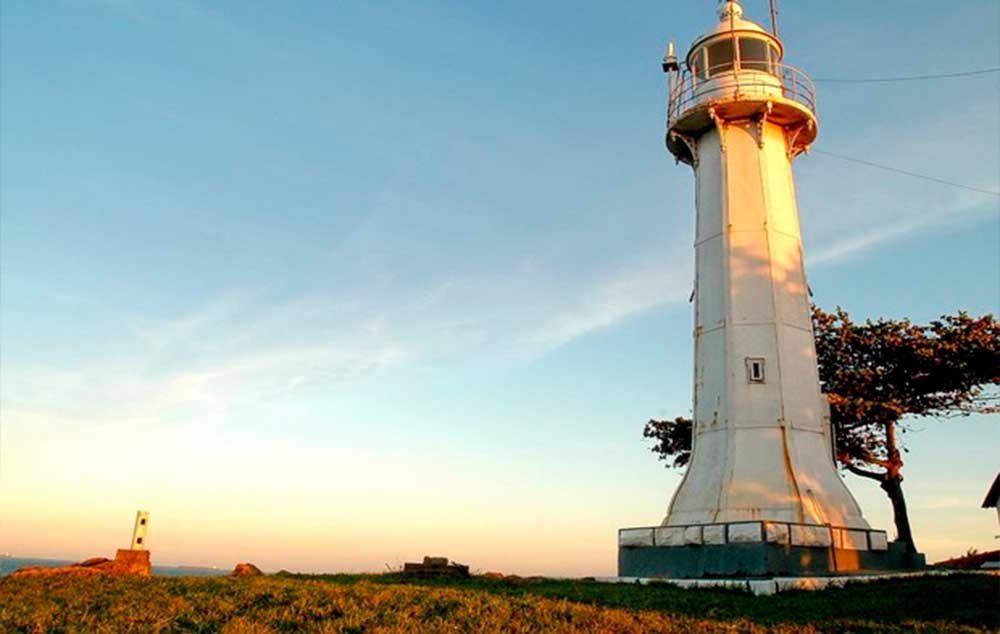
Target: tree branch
<point x="871" y="475"/>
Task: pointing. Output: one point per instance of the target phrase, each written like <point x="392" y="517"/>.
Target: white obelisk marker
<point x="139" y="532"/>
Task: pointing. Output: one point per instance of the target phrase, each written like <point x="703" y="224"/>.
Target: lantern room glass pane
<point x="697" y="66"/>
<point x="720" y="57"/>
<point x="753" y="54"/>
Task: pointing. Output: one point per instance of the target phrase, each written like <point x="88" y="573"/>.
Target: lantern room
<point x="734" y="45"/>
<point x="736" y="71"/>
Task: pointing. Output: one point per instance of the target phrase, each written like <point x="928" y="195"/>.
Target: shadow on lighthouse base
<point x="760" y="560"/>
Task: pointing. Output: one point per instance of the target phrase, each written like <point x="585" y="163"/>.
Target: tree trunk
<point x="893" y="487"/>
<point x="892" y="484"/>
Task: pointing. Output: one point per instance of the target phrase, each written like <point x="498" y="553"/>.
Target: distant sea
<point x="10" y="564"/>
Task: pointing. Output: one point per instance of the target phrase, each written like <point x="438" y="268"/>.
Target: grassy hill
<point x="384" y="604"/>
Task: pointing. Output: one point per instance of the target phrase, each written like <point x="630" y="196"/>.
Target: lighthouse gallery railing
<point x="727" y="82"/>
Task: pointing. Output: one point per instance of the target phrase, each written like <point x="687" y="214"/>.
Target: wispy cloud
<point x="227" y="354"/>
<point x="895" y="230"/>
<point x="622" y="295"/>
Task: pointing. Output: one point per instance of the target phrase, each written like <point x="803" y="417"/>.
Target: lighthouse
<point x="761" y="495"/>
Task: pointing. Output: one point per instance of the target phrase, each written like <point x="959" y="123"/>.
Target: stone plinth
<point x="133" y="562"/>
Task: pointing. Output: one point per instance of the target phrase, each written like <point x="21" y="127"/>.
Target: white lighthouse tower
<point x="762" y="487"/>
<point x="762" y="439"/>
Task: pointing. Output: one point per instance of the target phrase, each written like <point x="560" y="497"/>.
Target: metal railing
<point x="729" y="81"/>
<point x="828" y="529"/>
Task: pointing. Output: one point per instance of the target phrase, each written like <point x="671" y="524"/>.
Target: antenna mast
<point x="774" y="17"/>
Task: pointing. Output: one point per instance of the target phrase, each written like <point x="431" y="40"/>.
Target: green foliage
<point x="673" y="439"/>
<point x="386" y="604"/>
<point x="877" y="372"/>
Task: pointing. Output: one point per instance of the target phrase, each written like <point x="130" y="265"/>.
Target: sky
<point x="330" y="286"/>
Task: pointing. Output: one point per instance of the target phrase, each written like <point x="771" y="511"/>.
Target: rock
<point x="39" y="571"/>
<point x="493" y="575"/>
<point x="435" y="567"/>
<point x="93" y="561"/>
<point x="246" y="570"/>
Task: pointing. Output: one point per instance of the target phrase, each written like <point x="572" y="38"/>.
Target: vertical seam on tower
<point x="694" y="374"/>
<point x="727" y="477"/>
<point x="764" y="175"/>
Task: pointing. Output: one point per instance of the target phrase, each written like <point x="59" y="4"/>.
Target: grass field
<point x="385" y="604"/>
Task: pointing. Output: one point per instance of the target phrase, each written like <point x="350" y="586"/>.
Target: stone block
<point x="762" y="587"/>
<point x="878" y="540"/>
<point x="692" y="536"/>
<point x="849" y="539"/>
<point x="635" y="537"/>
<point x="817" y="536"/>
<point x="713" y="534"/>
<point x="133" y="562"/>
<point x="776" y="533"/>
<point x="670" y="536"/>
<point x="749" y="532"/>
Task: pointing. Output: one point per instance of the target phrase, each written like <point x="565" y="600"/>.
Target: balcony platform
<point x="784" y="95"/>
<point x="787" y="113"/>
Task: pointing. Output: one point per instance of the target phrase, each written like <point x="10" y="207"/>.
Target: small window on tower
<point x="138" y="540"/>
<point x="142" y="522"/>
<point x="755" y="370"/>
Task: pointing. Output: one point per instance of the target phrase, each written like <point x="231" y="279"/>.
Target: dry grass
<point x="269" y="605"/>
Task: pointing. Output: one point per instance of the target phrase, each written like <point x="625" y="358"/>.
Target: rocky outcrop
<point x="246" y="570"/>
<point x="126" y="562"/>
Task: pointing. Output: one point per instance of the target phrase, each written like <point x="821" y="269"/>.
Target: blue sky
<point x="409" y="277"/>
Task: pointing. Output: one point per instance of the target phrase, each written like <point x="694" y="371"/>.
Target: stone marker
<point x="134" y="561"/>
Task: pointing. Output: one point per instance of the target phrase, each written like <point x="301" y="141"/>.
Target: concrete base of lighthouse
<point x="758" y="549"/>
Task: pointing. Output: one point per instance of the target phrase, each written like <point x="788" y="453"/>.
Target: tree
<point x="673" y="439"/>
<point x="878" y="377"/>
